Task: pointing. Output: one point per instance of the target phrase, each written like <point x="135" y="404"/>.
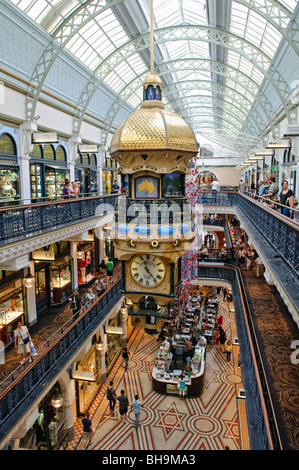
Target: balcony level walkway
<point x="276" y="330"/>
<point x="40" y="332"/>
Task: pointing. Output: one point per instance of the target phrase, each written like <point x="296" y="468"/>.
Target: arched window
<point x="108" y="162"/>
<point x="85" y="158"/>
<point x="93" y="159"/>
<point x="49" y="153"/>
<point x="37" y="151"/>
<point x="60" y="154"/>
<point x="7" y="145"/>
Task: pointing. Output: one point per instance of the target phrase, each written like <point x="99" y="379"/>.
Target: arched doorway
<point x="206" y="178"/>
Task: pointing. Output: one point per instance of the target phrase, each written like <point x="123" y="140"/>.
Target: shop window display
<point x="114" y="347"/>
<point x="49" y="432"/>
<point x="86" y="263"/>
<point x="11" y="309"/>
<point x="60" y="281"/>
<point x="9" y="182"/>
<point x="88" y="390"/>
<point x="54" y="181"/>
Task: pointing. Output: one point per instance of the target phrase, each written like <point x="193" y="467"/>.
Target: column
<point x="73" y="252"/>
<point x="69" y="410"/>
<point x="31" y="299"/>
<point x="26" y="147"/>
<point x="73" y="143"/>
<point x="124" y="318"/>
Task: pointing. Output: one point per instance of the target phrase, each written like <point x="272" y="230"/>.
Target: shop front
<point x="49" y="432"/>
<point x="53" y="276"/>
<point x="12" y="304"/>
<point x="86" y="174"/>
<point x="87" y="261"/>
<point x="48" y="170"/>
<point x="88" y="376"/>
<point x="9" y="169"/>
<point x="109" y="174"/>
<point x="115" y="341"/>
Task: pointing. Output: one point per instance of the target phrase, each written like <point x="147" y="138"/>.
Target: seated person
<point x="174" y="363"/>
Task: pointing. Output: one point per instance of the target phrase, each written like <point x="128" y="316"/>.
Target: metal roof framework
<point x="216" y="58"/>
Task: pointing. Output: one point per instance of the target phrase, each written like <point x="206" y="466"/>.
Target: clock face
<point x="148" y="270"/>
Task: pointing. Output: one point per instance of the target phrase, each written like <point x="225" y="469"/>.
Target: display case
<point x="165" y="381"/>
<point x="54" y="181"/>
<point x="9" y="182"/>
<point x="36" y="181"/>
<point x="60" y="280"/>
<point x="11" y="309"/>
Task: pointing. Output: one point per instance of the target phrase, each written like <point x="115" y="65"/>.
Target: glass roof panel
<point x="103" y="34"/>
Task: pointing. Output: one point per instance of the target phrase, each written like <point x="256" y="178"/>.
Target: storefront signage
<point x="275" y="168"/>
<point x="278" y="144"/>
<point x="44" y="137"/>
<point x="16" y="264"/>
<point x="42" y="255"/>
<point x="292" y="130"/>
<point x="88" y="148"/>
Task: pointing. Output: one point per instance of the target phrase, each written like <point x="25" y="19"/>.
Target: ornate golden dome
<point x="152" y="128"/>
<point x="152" y="78"/>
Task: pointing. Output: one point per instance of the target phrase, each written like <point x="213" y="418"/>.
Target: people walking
<point x="228" y="350"/>
<point x="136" y="405"/>
<point x="109" y="267"/>
<point x="89" y="296"/>
<point x="123" y="405"/>
<point x="111" y="395"/>
<point x="87" y="428"/>
<point x="125" y="356"/>
<point x="22" y="340"/>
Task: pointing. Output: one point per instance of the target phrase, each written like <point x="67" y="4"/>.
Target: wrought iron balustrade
<point x="156" y="211"/>
<point x="281" y="232"/>
<point x="19" y="222"/>
<point x="22" y="388"/>
<point x="262" y="423"/>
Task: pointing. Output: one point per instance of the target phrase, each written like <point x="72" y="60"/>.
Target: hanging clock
<point x="147" y="270"/>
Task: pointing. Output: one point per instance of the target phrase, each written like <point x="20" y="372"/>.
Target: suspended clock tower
<point x="153" y="221"/>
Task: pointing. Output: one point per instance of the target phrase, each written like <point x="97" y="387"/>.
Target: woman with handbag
<point x="22" y="340"/>
<point x="75" y="303"/>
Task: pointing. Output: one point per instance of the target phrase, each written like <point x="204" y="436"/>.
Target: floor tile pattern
<point x="209" y="422"/>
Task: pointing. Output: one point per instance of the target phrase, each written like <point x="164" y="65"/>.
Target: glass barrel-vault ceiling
<point x="214" y="57"/>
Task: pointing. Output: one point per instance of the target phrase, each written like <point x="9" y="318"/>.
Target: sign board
<point x="44" y="137"/>
<point x="279" y="144"/>
<point x="16" y="264"/>
<point x="275" y="168"/>
<point x="88" y="148"/>
<point x="292" y="130"/>
<point x="43" y="255"/>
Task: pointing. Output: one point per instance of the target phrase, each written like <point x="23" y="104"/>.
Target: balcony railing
<point x="281" y="232"/>
<point x="20" y="389"/>
<point x="261" y="417"/>
<point x="22" y="221"/>
<point x="153" y="211"/>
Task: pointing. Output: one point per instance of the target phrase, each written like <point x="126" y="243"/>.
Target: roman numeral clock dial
<point x="147" y="270"/>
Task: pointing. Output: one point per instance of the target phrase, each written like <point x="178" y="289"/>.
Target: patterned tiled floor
<point x="212" y="421"/>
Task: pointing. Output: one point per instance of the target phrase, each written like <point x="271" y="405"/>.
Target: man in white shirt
<point x="215" y="188"/>
<point x="216" y="185"/>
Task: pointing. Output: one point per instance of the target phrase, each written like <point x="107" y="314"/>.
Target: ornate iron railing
<point x="263" y="427"/>
<point x="22" y="389"/>
<point x="19" y="222"/>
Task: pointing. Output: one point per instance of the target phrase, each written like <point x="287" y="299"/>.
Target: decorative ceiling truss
<point x="214" y="56"/>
